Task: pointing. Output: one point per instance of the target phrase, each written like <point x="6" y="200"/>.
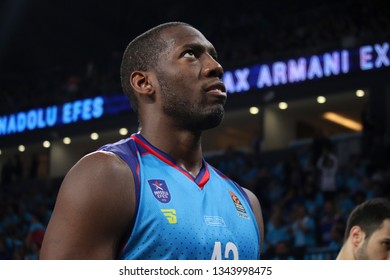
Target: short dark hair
<point x="369" y="216"/>
<point x="142" y="54"/>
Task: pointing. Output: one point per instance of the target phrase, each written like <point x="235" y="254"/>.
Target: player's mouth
<point x="216" y="89"/>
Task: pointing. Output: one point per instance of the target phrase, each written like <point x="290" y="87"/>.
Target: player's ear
<point x="140" y="81"/>
<point x="357" y="236"/>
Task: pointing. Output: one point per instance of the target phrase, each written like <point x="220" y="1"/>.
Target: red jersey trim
<point x="201" y="180"/>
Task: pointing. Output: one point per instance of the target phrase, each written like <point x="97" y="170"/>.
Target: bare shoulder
<point x="256" y="207"/>
<point x="94" y="206"/>
<point x="99" y="165"/>
<point x="98" y="174"/>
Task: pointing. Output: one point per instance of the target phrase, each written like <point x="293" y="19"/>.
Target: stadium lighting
<point x="360" y="93"/>
<point x="343" y="121"/>
<point x="254" y="110"/>
<point x="321" y="99"/>
<point x="67" y="140"/>
<point x="94" y="136"/>
<point x="46" y="144"/>
<point x="283" y="105"/>
<point x="123" y="131"/>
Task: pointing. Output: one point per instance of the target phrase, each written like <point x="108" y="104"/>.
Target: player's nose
<point x="212" y="68"/>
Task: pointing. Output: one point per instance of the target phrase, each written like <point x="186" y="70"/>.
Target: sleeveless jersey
<point x="182" y="217"/>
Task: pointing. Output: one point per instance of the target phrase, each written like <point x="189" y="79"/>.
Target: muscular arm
<point x="94" y="209"/>
<point x="258" y="214"/>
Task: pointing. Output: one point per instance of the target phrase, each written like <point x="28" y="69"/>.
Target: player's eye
<point x="189" y="53"/>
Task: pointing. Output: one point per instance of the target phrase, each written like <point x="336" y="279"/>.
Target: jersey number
<point x="229" y="248"/>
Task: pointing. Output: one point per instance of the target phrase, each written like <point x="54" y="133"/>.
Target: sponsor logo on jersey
<point x="170" y="214"/>
<point x="240" y="208"/>
<point x="160" y="190"/>
<point x="214" y="221"/>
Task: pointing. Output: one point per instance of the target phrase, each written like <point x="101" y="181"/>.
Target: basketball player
<point x="367" y="235"/>
<point x="152" y="195"/>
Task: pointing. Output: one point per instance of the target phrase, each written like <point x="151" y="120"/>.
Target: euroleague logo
<point x="160" y="190"/>
<point x="240" y="208"/>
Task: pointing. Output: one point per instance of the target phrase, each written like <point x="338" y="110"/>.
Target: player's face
<point x="377" y="247"/>
<point x="189" y="76"/>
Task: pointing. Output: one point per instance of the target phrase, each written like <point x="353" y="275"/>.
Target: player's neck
<point x="184" y="147"/>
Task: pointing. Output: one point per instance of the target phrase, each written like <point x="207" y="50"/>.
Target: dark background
<point x="41" y="37"/>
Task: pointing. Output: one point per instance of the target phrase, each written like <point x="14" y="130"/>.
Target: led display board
<point x="303" y="69"/>
<point x="67" y="113"/>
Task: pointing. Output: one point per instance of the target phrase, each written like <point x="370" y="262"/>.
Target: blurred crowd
<point x="25" y="209"/>
<point x="306" y="193"/>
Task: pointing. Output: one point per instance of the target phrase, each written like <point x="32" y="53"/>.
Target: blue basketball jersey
<point x="182" y="217"/>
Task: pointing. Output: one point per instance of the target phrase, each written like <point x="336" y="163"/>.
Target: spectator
<point x="327" y="220"/>
<point x="283" y="251"/>
<point x="337" y="236"/>
<point x="35" y="232"/>
<point x="277" y="234"/>
<point x="313" y="199"/>
<point x="327" y="165"/>
<point x="355" y="174"/>
<point x="344" y="202"/>
<point x="303" y="229"/>
<point x="320" y="142"/>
